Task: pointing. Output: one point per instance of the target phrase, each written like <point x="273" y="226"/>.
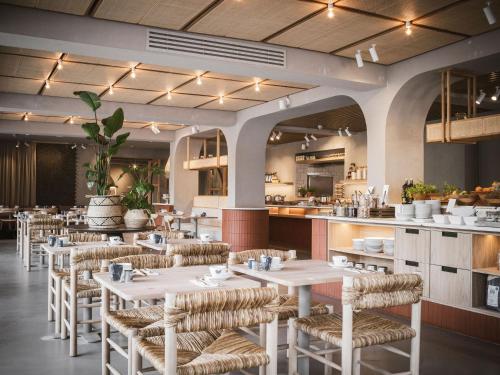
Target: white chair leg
<point x="292" y="351"/>
<point x="356" y="357"/>
<point x="415" y="342"/>
<point x="136" y="358"/>
<point x="262" y="343"/>
<point x="73" y="316"/>
<point x="329" y="356"/>
<point x="64" y="332"/>
<point x="57" y="305"/>
<point x="272" y="346"/>
<point x="346" y="339"/>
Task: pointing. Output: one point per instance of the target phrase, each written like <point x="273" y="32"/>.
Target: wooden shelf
<point x="348" y="250"/>
<point x="355" y="182"/>
<point x="207" y="163"/>
<point x="334" y="159"/>
<point x="279" y="184"/>
<point x="487" y="271"/>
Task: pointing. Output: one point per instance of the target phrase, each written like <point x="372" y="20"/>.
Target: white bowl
<point x="470" y="220"/>
<point x="456" y="220"/>
<point x="423" y="211"/>
<point x="358" y="243"/>
<point x="374" y="241"/>
<point x="463" y="211"/>
<point x="389" y="250"/>
<point x="435" y="204"/>
<point x="441" y="219"/>
<point x="219" y="272"/>
<point x="373" y="249"/>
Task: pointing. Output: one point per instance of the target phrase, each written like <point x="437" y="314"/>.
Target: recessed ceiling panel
<point x="67" y="89"/>
<point x="78" y="7"/>
<point x="30" y="52"/>
<point x="131" y="96"/>
<point x="405" y="10"/>
<point x="25" y="67"/>
<point x="324" y="34"/>
<point x="40" y="118"/>
<point x="174" y="14"/>
<point x="183" y="100"/>
<point x="231" y="77"/>
<point x="288" y="84"/>
<point x="466" y="17"/>
<point x="396" y="45"/>
<point x="168" y="69"/>
<point x="98" y="61"/>
<point x="88" y="74"/>
<point x="253" y="20"/>
<point x="231" y="104"/>
<point x="265" y="92"/>
<point x="11" y="116"/>
<point x="20" y="85"/>
<point x="212" y="87"/>
<point x="148" y="80"/>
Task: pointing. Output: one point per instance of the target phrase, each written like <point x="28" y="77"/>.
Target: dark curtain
<point x="17" y="174"/>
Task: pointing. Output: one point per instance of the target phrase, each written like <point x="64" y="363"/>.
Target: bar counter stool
<point x="199" y="336"/>
<point x="85" y="260"/>
<point x="356" y="329"/>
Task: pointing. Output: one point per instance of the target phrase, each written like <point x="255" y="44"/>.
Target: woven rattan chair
<point x="356" y="329"/>
<point x="85" y="260"/>
<point x="138" y="320"/>
<point x="211" y="346"/>
<point x="37" y="231"/>
<point x="56" y="276"/>
<point x="170" y="235"/>
<point x="201" y="253"/>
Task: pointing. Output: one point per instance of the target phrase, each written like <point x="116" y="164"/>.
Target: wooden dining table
<point x="301" y="274"/>
<point x="163" y="248"/>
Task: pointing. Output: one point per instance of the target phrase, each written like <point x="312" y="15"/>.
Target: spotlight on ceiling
<point x="349" y="134"/>
<point x="132" y="72"/>
<point x="198" y="80"/>
<point x="26" y="144"/>
<point x="481" y="97"/>
<point x="330" y="11"/>
<point x="26" y="117"/>
<point x="47" y="84"/>
<point x="319" y="126"/>
<point x="488" y="12"/>
<point x="74" y="146"/>
<point x="154" y="128"/>
<point x="408" y="27"/>
<point x="313" y="137"/>
<point x="307" y="138"/>
<point x="221" y="99"/>
<point x="195" y="129"/>
<point x="71" y="120"/>
<point x="495" y="96"/>
<point x="359" y="59"/>
<point x="278" y="136"/>
<point x="257" y="86"/>
<point x="340" y="132"/>
<point x="83" y="146"/>
<point x="18" y="144"/>
<point x="110" y="90"/>
<point x="272" y="137"/>
<point x="59" y="64"/>
<point x="169" y="95"/>
<point x="284" y="103"/>
<point x="373" y="53"/>
<point x="303" y="146"/>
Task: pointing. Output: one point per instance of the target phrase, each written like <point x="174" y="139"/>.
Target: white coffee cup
<point x="275" y="262"/>
<point x="339" y="260"/>
<point x="115" y="239"/>
<point x="205" y="237"/>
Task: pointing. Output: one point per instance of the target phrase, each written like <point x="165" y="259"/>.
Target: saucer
<point x="334" y="266"/>
<point x="277" y="268"/>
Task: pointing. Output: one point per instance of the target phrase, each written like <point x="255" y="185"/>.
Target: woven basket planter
<point x="105" y="211"/>
<point x="136" y="219"/>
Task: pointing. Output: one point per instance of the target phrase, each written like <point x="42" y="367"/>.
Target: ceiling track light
<point x="495" y="96"/>
<point x="198" y="80"/>
<point x="132" y="72"/>
<point x="169" y="95"/>
<point x="74" y="146"/>
<point x="110" y="89"/>
<point x="59" y="64"/>
<point x="373" y="53"/>
<point x="349" y="134"/>
<point x="303" y="146"/>
<point x="47" y="84"/>
<point x="330" y="13"/>
<point x="154" y="128"/>
<point x="307" y="138"/>
<point x="340" y="132"/>
<point x="359" y="59"/>
<point x="488" y="12"/>
<point x="313" y="137"/>
<point x="278" y="136"/>
<point x="273" y="136"/>
<point x="408" y="27"/>
<point x="18" y="144"/>
<point x="257" y="86"/>
<point x="26" y="118"/>
<point x="26" y="144"/>
<point x="221" y="99"/>
<point x="195" y="129"/>
<point x="83" y="146"/>
<point x="71" y="120"/>
<point x="481" y="97"/>
<point x="319" y="126"/>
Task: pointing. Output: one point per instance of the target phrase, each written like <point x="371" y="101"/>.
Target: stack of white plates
<point x="374" y="244"/>
<point x="404" y="211"/>
<point x="358" y="244"/>
<point x="389" y="246"/>
<point x="436" y="206"/>
<point x="423" y="211"/>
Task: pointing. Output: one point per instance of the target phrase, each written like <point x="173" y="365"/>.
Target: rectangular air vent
<point x="196" y="45"/>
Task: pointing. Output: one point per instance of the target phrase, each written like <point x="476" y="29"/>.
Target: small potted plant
<point x="310" y="192"/>
<point x="137" y="199"/>
<point x="302" y="191"/>
<point x="421" y="191"/>
<point x="105" y="210"/>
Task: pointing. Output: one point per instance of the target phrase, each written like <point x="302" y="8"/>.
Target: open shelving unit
<point x="362" y="253"/>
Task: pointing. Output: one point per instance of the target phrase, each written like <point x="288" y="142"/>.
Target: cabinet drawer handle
<point x="449" y="269"/>
<point x="449" y="234"/>
<point x="412" y="231"/>
<point x="411" y="263"/>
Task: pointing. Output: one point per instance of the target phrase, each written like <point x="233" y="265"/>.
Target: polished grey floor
<point x="26" y="346"/>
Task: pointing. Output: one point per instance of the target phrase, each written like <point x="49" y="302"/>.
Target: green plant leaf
<point x="92" y="130"/>
<point x="120" y="140"/>
<point x="92" y="99"/>
<point x="113" y="123"/>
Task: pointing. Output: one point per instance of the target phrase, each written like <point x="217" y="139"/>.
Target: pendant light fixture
<point x="278" y="136"/>
<point x="169" y="95"/>
<point x="132" y="72"/>
<point x="330" y="11"/>
<point x="408" y="27"/>
<point x="110" y="89"/>
<point x="59" y="64"/>
<point x="257" y="86"/>
<point x="359" y="59"/>
<point x="47" y="84"/>
<point x="340" y="132"/>
<point x="313" y="137"/>
<point x="198" y="80"/>
<point x="221" y="99"/>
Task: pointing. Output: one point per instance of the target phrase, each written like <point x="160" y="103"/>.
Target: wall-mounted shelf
<point x="208" y="163"/>
<point x="355" y="182"/>
<point x="321" y="157"/>
<point x="362" y="253"/>
<point x="279" y="183"/>
<point x="335" y="159"/>
<point x="494" y="271"/>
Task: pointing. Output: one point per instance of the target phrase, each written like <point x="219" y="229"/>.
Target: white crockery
<point x="470" y="220"/>
<point x="219" y="272"/>
<point x="456" y="220"/>
<point x="339" y="260"/>
<point x="441" y="219"/>
<point x="423" y="211"/>
<point x="435" y="204"/>
<point x="463" y="211"/>
<point x="205" y="237"/>
<point x="358" y="243"/>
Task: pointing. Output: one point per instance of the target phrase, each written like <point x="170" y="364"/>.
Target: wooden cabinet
<point x="410" y="266"/>
<point x="450" y="285"/>
<point x="412" y="244"/>
<point x="452" y="249"/>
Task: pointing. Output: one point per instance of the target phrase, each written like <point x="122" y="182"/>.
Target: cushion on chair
<point x="368" y="329"/>
<point x="205" y="352"/>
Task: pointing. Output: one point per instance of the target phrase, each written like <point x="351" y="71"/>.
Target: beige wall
<point x="281" y="159"/>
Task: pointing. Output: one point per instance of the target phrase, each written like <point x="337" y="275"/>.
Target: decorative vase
<point x="105" y="211"/>
<point x="136" y="219"/>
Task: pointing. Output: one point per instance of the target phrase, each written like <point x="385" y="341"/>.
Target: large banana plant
<point x="97" y="173"/>
<point x="138" y="196"/>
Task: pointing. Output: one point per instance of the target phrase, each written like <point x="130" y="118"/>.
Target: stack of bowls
<point x="423" y="211"/>
<point x="358" y="244"/>
<point x="388" y="246"/>
<point x="404" y="211"/>
<point x="435" y="204"/>
<point x="373" y="244"/>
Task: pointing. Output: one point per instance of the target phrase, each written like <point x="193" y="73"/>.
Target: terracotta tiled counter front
<point x="245" y="228"/>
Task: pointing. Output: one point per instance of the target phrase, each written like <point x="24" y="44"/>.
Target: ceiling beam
<point x="51" y="105"/>
<point x="51" y="31"/>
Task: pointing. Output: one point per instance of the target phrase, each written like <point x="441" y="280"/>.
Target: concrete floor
<point x="25" y="348"/>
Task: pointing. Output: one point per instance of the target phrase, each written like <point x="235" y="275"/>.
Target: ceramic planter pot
<point x="419" y="196"/>
<point x="136" y="219"/>
<point x="105" y="211"/>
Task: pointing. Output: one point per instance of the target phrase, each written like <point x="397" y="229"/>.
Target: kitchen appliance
<point x="321" y="184"/>
<point x="279" y="199"/>
<point x="269" y="199"/>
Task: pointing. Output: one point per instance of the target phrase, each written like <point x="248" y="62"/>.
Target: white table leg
<point x="303" y="339"/>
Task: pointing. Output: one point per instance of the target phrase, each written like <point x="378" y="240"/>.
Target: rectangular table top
<point x="66" y="250"/>
<point x="298" y="273"/>
<point x="172" y="280"/>
<point x="166" y="247"/>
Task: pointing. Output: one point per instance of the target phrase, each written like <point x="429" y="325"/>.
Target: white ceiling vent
<point x="183" y="43"/>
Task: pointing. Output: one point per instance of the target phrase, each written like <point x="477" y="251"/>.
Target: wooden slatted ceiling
<point x="88" y="74"/>
<point x="267" y="92"/>
<point x="231" y="104"/>
<point x="130" y="96"/>
<point x="149" y="80"/>
<point x="183" y="100"/>
<point x="29" y="52"/>
<point x="25" y="67"/>
<point x="64" y="89"/>
<point x="20" y="85"/>
<point x="211" y="86"/>
<point x="11" y="116"/>
<point x="78" y="7"/>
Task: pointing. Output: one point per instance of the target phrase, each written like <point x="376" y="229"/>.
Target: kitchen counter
<point x="329" y="206"/>
<point x="404" y="223"/>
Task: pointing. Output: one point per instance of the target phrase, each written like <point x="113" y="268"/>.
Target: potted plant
<point x="137" y="199"/>
<point x="105" y="210"/>
<point x="421" y="191"/>
<point x="310" y="192"/>
<point x="302" y="191"/>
